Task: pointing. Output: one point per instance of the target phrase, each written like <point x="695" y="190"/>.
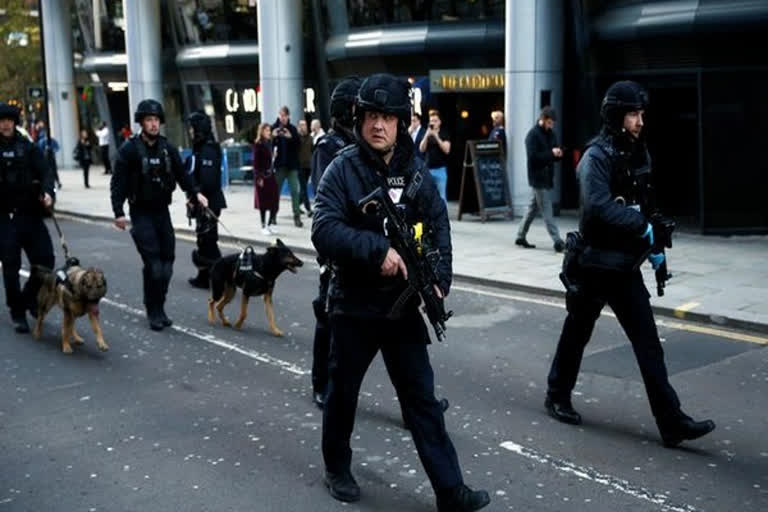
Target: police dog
<point x="255" y="274"/>
<point x="77" y="291"/>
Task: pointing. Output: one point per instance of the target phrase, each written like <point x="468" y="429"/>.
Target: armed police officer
<point x="146" y="173"/>
<point x="368" y="278"/>
<point x="617" y="204"/>
<point x="26" y="191"/>
<point x="204" y="165"/>
<point x="338" y="137"/>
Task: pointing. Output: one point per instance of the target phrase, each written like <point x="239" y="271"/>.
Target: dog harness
<point x="62" y="276"/>
<point x="246" y="265"/>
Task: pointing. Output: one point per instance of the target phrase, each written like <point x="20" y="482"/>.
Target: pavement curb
<point x="664" y="311"/>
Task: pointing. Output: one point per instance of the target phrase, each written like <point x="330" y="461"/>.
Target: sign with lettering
<point x="466" y="80"/>
<point x="485" y="163"/>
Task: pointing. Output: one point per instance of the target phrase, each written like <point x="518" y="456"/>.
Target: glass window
<point x="211" y="21"/>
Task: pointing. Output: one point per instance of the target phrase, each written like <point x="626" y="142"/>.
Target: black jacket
<point x="82" y="153"/>
<point x="355" y="242"/>
<point x="151" y="190"/>
<point x="614" y="168"/>
<point x="24" y="176"/>
<point x="287" y="149"/>
<point x="325" y="149"/>
<point x="204" y="165"/>
<point x="538" y="146"/>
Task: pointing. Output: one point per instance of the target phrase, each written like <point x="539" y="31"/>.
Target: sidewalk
<point x="716" y="279"/>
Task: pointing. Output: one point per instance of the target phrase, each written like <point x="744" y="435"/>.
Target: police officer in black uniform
<point x="338" y="137"/>
<point x="368" y="277"/>
<point x="26" y="192"/>
<point x="617" y="202"/>
<point x="146" y="172"/>
<point x="205" y="167"/>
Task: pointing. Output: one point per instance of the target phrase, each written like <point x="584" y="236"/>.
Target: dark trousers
<point x="86" y="166"/>
<point x="355" y="342"/>
<point x="208" y="243"/>
<point x="303" y="194"/>
<point x="153" y="234"/>
<point x="629" y="299"/>
<point x="322" y="343"/>
<point x="27" y="233"/>
<point x="105" y="159"/>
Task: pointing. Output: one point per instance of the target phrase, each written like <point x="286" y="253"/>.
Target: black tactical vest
<point x="155" y="181"/>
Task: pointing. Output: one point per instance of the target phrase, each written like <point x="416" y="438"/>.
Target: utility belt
<point x="580" y="257"/>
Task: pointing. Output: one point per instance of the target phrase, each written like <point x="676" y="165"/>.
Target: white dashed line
<point x="586" y="473"/>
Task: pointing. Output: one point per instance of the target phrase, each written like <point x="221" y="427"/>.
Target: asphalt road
<point x="206" y="418"/>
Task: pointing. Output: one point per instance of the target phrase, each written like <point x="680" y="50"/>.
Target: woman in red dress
<point x="265" y="198"/>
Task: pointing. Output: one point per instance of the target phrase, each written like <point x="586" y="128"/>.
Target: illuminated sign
<point x="250" y="100"/>
<point x="466" y="80"/>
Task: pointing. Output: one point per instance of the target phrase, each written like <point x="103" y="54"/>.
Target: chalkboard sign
<point x="485" y="162"/>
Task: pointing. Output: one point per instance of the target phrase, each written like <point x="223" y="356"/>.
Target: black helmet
<point x="385" y="93"/>
<point x="149" y="108"/>
<point x="201" y="125"/>
<point x="343" y="99"/>
<point x="620" y="98"/>
<point x="9" y="112"/>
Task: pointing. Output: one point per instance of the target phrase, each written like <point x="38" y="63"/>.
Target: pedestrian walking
<point x="147" y="169"/>
<point x="368" y="278"/>
<point x="338" y="137"/>
<point x="305" y="164"/>
<point x="204" y="165"/>
<point x="82" y="155"/>
<point x="266" y="197"/>
<point x="26" y="192"/>
<point x="103" y="135"/>
<point x="543" y="151"/>
<point x="617" y="205"/>
<point x="436" y="145"/>
<point x="285" y="139"/>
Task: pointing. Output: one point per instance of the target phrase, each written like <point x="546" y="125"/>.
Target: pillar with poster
<point x="484" y="176"/>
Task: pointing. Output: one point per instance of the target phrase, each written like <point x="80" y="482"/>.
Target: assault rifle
<point x="662" y="234"/>
<point x="422" y="274"/>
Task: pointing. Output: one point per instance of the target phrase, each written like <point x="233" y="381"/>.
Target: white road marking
<point x="210" y="338"/>
<point x="214" y="340"/>
<point x="593" y="475"/>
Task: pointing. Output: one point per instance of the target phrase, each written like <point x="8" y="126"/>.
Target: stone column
<point x="143" y="47"/>
<point x="281" y="54"/>
<point x="533" y="71"/>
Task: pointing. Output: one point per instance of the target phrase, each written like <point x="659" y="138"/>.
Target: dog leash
<point x="238" y="242"/>
<point x="61" y="235"/>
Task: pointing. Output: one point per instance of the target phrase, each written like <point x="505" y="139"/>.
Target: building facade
<point x="238" y="59"/>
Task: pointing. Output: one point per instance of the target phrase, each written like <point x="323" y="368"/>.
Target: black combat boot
<point x="20" y="324"/>
<point x="562" y="410"/>
<point x="155" y="317"/>
<point x="683" y="428"/>
<point x="202" y="279"/>
<point x="462" y="499"/>
<point x="342" y="486"/>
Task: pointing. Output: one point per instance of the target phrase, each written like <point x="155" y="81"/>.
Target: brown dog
<point x="255" y="274"/>
<point x="77" y="291"/>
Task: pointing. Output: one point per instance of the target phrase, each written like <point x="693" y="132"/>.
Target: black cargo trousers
<point x="628" y="297"/>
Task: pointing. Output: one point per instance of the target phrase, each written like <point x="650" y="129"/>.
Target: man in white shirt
<point x="103" y="134"/>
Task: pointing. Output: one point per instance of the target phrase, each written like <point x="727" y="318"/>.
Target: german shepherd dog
<point x="77" y="291"/>
<point x="255" y="274"/>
